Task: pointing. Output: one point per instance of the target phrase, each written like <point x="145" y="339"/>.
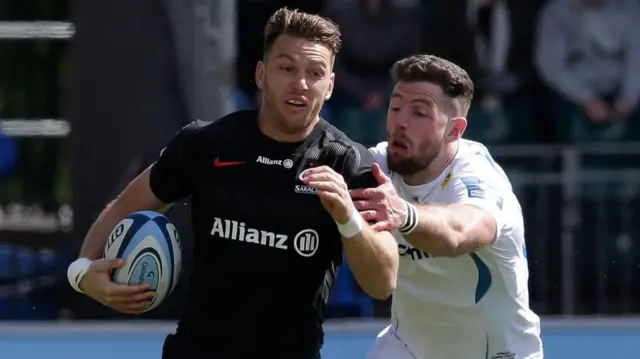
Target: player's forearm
<point x="441" y="228"/>
<point x="373" y="259"/>
<point x="97" y="236"/>
<point x="137" y="196"/>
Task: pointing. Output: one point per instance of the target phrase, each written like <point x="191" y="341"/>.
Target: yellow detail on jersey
<point x="166" y="208"/>
<point x="446" y="180"/>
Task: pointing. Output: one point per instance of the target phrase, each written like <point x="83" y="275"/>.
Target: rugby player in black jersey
<point x="271" y="211"/>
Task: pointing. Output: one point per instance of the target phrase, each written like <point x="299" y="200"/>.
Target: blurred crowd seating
<point x="546" y="72"/>
<point x="540" y="77"/>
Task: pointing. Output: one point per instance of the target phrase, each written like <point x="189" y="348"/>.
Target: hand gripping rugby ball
<point x="150" y="246"/>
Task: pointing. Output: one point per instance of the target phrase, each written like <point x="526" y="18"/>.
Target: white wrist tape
<point x="411" y="222"/>
<point x="76" y="271"/>
<point x="353" y="227"/>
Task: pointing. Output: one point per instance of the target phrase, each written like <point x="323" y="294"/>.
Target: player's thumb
<point x="379" y="174"/>
<point x="106" y="265"/>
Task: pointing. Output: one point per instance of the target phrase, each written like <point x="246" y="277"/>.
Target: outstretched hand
<point x="382" y="204"/>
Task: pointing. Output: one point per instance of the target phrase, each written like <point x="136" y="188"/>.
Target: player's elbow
<point x="453" y="246"/>
<point x="390" y="286"/>
<point x="388" y="278"/>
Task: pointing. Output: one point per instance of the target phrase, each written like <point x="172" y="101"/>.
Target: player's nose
<point x="400" y="122"/>
<point x="300" y="84"/>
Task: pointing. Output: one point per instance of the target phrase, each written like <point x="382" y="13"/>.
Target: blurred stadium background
<point x="91" y="90"/>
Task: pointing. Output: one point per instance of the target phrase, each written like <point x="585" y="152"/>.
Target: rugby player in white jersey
<point x="462" y="283"/>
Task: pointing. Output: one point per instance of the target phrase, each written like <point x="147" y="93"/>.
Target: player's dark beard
<point x="412" y="165"/>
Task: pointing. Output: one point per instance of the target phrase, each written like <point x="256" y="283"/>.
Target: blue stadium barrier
<point x="563" y="339"/>
<point x="5" y="278"/>
<point x="8" y="155"/>
<point x="27" y="283"/>
<point x="347" y="296"/>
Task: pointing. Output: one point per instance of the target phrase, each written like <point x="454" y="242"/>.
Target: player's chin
<point x="295" y="110"/>
<point x="298" y="122"/>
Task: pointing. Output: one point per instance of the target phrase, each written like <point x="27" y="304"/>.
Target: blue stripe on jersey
<point x="484" y="277"/>
<point x="166" y="245"/>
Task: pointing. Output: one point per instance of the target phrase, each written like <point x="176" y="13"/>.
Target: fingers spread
<point x="106" y="265"/>
<point x="138" y="306"/>
<point x="130" y="304"/>
<point x="136" y="298"/>
<point x="325" y="177"/>
<point x="324" y="186"/>
<point x="367" y="193"/>
<point x="369" y="215"/>
<point x="362" y="205"/>
<point x="125" y="290"/>
<point x="315" y="170"/>
<point x="381" y="226"/>
<point x="317" y="177"/>
<point x="322" y="173"/>
<point x="330" y="196"/>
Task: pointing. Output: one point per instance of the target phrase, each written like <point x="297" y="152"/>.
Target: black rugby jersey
<point x="266" y="253"/>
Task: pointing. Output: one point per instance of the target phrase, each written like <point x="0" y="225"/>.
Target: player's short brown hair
<point x="454" y="81"/>
<point x="301" y="24"/>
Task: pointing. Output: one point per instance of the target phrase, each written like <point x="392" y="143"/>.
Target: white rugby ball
<point x="150" y="246"/>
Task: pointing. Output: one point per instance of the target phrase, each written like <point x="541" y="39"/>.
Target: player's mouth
<point x="296" y="104"/>
<point x="399" y="145"/>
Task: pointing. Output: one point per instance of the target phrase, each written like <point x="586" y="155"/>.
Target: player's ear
<point x="260" y="70"/>
<point x="332" y="79"/>
<point x="457" y="126"/>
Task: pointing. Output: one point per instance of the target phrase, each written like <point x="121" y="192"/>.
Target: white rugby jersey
<point x="477" y="302"/>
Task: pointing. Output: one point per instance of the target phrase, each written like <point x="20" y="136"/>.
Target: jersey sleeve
<point x="379" y="153"/>
<point x="357" y="168"/>
<point x="170" y="176"/>
<point x="479" y="192"/>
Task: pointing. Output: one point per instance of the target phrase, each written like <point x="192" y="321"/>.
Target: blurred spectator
<point x="588" y="53"/>
<point x="375" y="33"/>
<point x="492" y="40"/>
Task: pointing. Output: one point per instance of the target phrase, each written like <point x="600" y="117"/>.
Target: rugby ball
<point x="150" y="246"/>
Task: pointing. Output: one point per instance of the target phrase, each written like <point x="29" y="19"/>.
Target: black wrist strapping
<point x="411" y="222"/>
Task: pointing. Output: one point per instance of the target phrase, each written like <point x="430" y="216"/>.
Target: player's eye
<point x="285" y="68"/>
<point x="394" y="109"/>
<point x="420" y="112"/>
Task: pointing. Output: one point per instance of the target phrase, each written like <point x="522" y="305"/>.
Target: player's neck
<point x="435" y="169"/>
<point x="270" y="129"/>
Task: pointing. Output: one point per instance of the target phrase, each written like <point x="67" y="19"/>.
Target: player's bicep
<point x="138" y="196"/>
<point x="480" y="229"/>
<point x="482" y="205"/>
<point x="169" y="178"/>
